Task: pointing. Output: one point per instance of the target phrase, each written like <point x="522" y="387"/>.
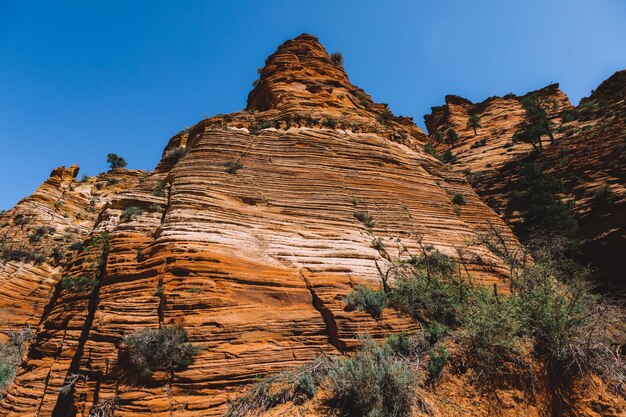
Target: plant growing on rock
<point x="174" y="155"/>
<point x="373" y="383"/>
<point x="79" y="284"/>
<point x="337" y="58"/>
<point x="130" y="213"/>
<point x="473" y="122"/>
<point x="232" y="167"/>
<point x="11" y="356"/>
<point x="165" y="349"/>
<point x="370" y="301"/>
<point x="458" y="199"/>
<point x="364" y="218"/>
<point x="452" y="137"/>
<point x="116" y="161"/>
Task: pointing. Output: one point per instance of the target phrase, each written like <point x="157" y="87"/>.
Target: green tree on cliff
<point x="536" y="125"/>
<point x="116" y="161"/>
<point x="451" y="137"/>
<point x="474" y="122"/>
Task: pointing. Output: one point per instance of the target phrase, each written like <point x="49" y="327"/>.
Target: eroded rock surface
<point x="588" y="157"/>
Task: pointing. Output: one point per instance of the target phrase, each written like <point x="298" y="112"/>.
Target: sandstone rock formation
<point x="247" y="233"/>
<point x="587" y="157"/>
<point x="40" y="235"/>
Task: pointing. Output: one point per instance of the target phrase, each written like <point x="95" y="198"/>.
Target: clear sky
<point x="80" y="79"/>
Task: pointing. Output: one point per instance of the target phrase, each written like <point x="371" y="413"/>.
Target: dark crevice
<point x="65" y="404"/>
<point x="332" y="330"/>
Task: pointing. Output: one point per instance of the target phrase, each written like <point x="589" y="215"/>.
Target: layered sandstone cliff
<point x="247" y="234"/>
<point x="587" y="157"/>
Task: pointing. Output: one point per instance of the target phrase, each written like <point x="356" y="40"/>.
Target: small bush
<point x="158" y="189"/>
<point x="232" y="167"/>
<point x="385" y="117"/>
<point x="79" y="284"/>
<point x="164" y="349"/>
<point x="40" y="232"/>
<point x="116" y="161"/>
<point x="336" y="58"/>
<point x="112" y="181"/>
<point x="458" y="199"/>
<point x="362" y="298"/>
<point x="435" y="332"/>
<point x="11" y="356"/>
<point x="364" y="218"/>
<point x="437" y="361"/>
<point x="329" y="122"/>
<point x="378" y="244"/>
<point x="373" y="383"/>
<point x="172" y="156"/>
<point x="430" y="150"/>
<point x="447" y="157"/>
<point x="20" y="255"/>
<point x="130" y="213"/>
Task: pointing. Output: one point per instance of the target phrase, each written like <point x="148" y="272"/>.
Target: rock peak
<point x="301" y="74"/>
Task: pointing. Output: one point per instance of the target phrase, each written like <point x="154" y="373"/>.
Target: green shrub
<point x="231" y="167"/>
<point x="21" y="255"/>
<point x="541" y="209"/>
<point x="336" y="58"/>
<point x="112" y="181"/>
<point x="364" y="218"/>
<point x="158" y="189"/>
<point x="452" y="137"/>
<point x="437" y="361"/>
<point x="492" y="327"/>
<point x="373" y="383"/>
<point x="435" y="332"/>
<point x="370" y="301"/>
<point x="385" y="117"/>
<point x="164" y="349"/>
<point x="378" y="244"/>
<point x="430" y="149"/>
<point x="329" y="122"/>
<point x="79" y="284"/>
<point x="116" y="161"/>
<point x="40" y="232"/>
<point x="11" y="356"/>
<point x="130" y="213"/>
<point x="172" y="156"/>
<point x="447" y="157"/>
<point x="427" y="287"/>
<point x="459" y="199"/>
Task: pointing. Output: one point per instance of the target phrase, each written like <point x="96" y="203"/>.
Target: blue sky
<point x="80" y="79"/>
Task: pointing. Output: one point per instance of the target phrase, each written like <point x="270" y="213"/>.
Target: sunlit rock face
<point x="246" y="233"/>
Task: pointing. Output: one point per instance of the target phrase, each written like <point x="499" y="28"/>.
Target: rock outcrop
<point x="588" y="157"/>
<point x="43" y="232"/>
<point x="249" y="233"/>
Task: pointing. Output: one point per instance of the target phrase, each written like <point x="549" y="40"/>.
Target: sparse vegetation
<point x="473" y="122"/>
<point x="116" y="161"/>
<point x="165" y="349"/>
<point x="329" y="122"/>
<point x="174" y="155"/>
<point x="430" y="149"/>
<point x="373" y="383"/>
<point x="11" y="356"/>
<point x="231" y="167"/>
<point x="458" y="199"/>
<point x="452" y="137"/>
<point x="337" y="58"/>
<point x="22" y="255"/>
<point x="39" y="233"/>
<point x="130" y="213"/>
<point x="365" y="218"/>
<point x="79" y="284"/>
<point x="363" y="298"/>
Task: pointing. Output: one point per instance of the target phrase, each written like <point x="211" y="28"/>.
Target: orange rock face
<point x="587" y="157"/>
<point x="43" y="227"/>
<point x="246" y="234"/>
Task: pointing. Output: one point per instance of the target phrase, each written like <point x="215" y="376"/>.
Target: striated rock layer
<point x="47" y="227"/>
<point x="246" y="235"/>
<point x="588" y="157"/>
